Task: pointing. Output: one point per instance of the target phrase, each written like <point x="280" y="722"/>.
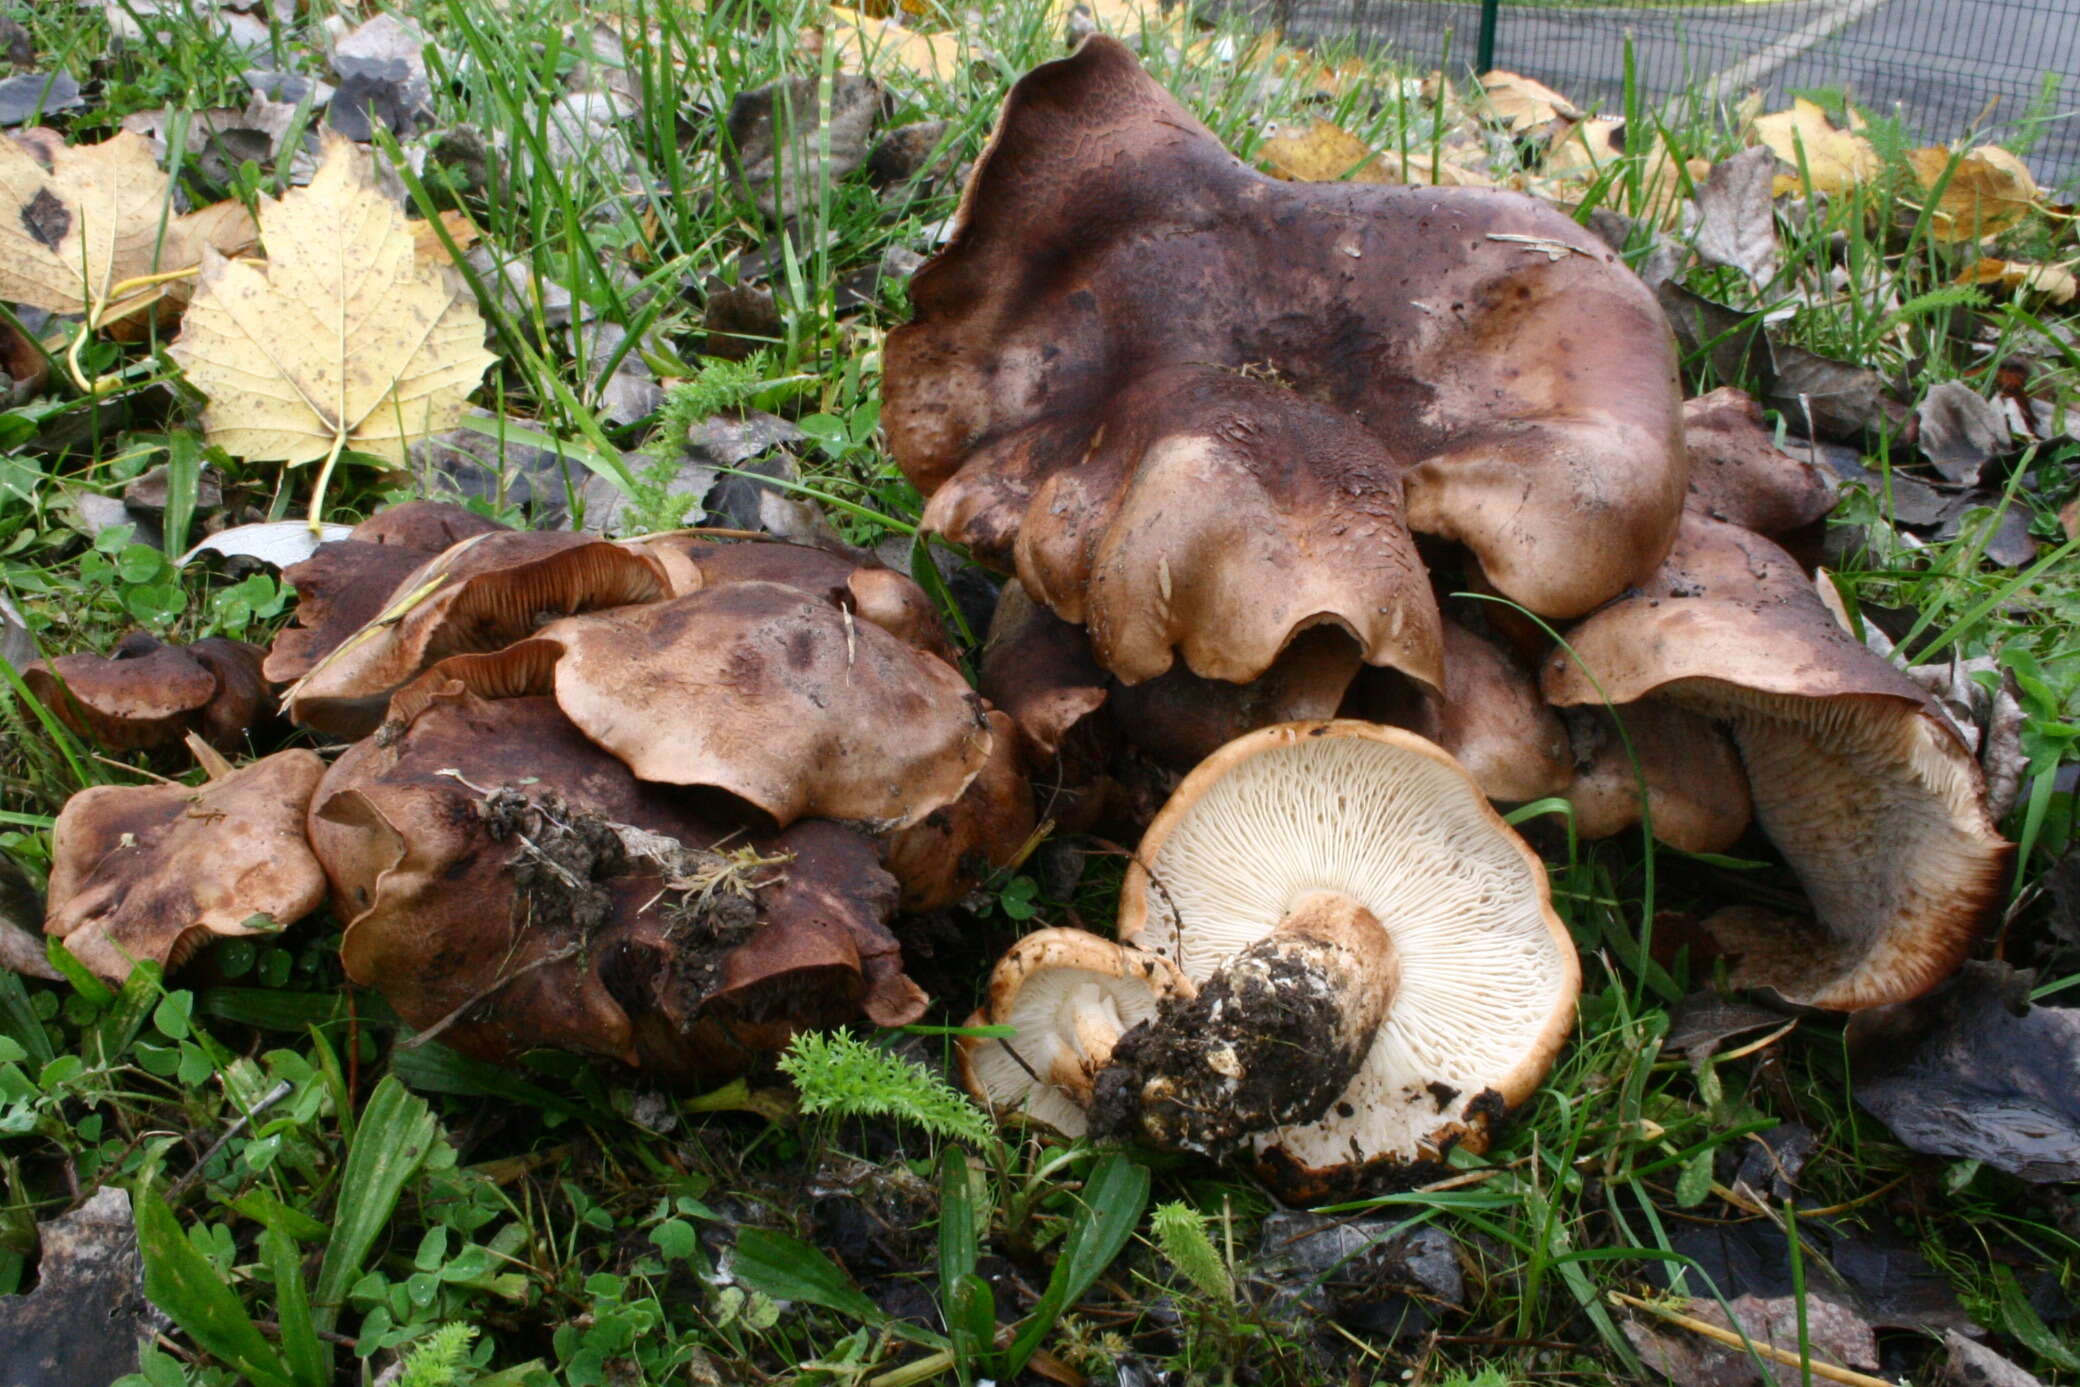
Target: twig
<point x="1735" y="1342"/>
<point x="267" y="1100"/>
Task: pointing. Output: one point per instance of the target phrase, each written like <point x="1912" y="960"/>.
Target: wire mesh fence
<point x="2004" y="70"/>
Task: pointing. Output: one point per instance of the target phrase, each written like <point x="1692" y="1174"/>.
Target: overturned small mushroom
<point x="156" y="871"/>
<point x="148" y="694"/>
<point x="1697" y="793"/>
<point x="509" y="885"/>
<point x="1068" y="997"/>
<point x="346" y="584"/>
<point x="1863" y="787"/>
<point x="482" y="593"/>
<point x="1380" y="974"/>
<point x="1477" y="346"/>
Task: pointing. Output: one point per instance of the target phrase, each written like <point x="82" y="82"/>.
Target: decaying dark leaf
<point x="1834" y="1334"/>
<point x="1975" y="1365"/>
<point x="1737" y="225"/>
<point x="33" y="95"/>
<point x="1369" y="1274"/>
<point x="1832" y="399"/>
<point x="778" y="149"/>
<point x="88" y="1315"/>
<point x="1985" y="1075"/>
<point x="1961" y="430"/>
<point x="21" y="917"/>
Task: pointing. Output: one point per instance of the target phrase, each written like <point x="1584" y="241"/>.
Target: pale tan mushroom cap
<point x="1488" y="973"/>
<point x="1042" y="986"/>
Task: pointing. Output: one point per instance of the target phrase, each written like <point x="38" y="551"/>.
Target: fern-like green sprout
<point x="438" y="1360"/>
<point x="1182" y="1238"/>
<point x="842" y="1073"/>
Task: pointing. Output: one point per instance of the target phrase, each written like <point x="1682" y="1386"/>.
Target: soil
<point x="1258" y="1048"/>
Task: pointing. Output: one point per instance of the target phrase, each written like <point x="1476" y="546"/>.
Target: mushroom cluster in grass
<point x="1333" y="954"/>
<point x="148" y="695"/>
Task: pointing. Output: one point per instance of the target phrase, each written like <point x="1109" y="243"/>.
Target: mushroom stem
<point x="1093" y="1027"/>
<point x="1272" y="1039"/>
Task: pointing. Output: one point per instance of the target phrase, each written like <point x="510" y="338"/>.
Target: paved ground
<point x="1939" y="62"/>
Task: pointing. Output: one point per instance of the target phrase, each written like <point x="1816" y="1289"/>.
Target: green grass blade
<point x="181" y="1281"/>
<point x="394" y="1134"/>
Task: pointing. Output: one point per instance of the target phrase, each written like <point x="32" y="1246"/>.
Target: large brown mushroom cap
<point x="156" y="871"/>
<point x="951" y="850"/>
<point x="1864" y="788"/>
<point x="507" y="881"/>
<point x="148" y="694"/>
<point x="1485" y="339"/>
<point x="775" y="696"/>
<point x="1487" y="975"/>
<point x="479" y="595"/>
<point x="1696" y="789"/>
<point x="1739" y="475"/>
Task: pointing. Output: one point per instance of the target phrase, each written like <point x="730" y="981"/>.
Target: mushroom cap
<point x="1494" y="347"/>
<point x="1488" y="973"/>
<point x="1868" y="793"/>
<point x="1488" y="716"/>
<point x="480" y="594"/>
<point x="438" y="838"/>
<point x="1695" y="785"/>
<point x="156" y="871"/>
<point x="147" y="694"/>
<point x="1181" y="719"/>
<point x="1037" y="669"/>
<point x="1037" y="988"/>
<point x="1739" y="475"/>
<point x="427" y="526"/>
<point x="775" y="696"/>
<point x="949" y="851"/>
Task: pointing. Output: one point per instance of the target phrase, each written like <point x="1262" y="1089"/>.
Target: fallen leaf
<point x="1125" y="19"/>
<point x="1978" y="1072"/>
<point x="1988" y="190"/>
<point x="1829" y="398"/>
<point x="1583" y="153"/>
<point x="879" y="46"/>
<point x="88" y="1315"/>
<point x="34" y="95"/>
<point x="1961" y="430"/>
<point x="342" y="339"/>
<point x="276" y="542"/>
<point x="1319" y="153"/>
<point x="1833" y="160"/>
<point x="1521" y="103"/>
<point x="21" y="909"/>
<point x="1830" y="1332"/>
<point x="1737" y="223"/>
<point x="785" y="153"/>
<point x="84" y="220"/>
<point x="426" y="242"/>
<point x="2057" y="282"/>
<point x="1974" y="1365"/>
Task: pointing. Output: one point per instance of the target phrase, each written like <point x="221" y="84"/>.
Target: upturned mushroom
<point x="146" y="694"/>
<point x="1869" y="794"/>
<point x="156" y="871"/>
<point x="1380" y="975"/>
<point x="1186" y="399"/>
<point x="1068" y="996"/>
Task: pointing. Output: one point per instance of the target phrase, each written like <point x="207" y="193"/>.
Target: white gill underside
<point x="1044" y="1021"/>
<point x="1481" y="973"/>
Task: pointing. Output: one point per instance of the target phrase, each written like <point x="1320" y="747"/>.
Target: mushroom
<point x="147" y="694"/>
<point x="345" y="584"/>
<point x="478" y="595"/>
<point x="1869" y="794"/>
<point x="1038" y="670"/>
<point x="1476" y="346"/>
<point x="1488" y="715"/>
<point x="1181" y="719"/>
<point x="156" y="871"/>
<point x="954" y="848"/>
<point x="1380" y="973"/>
<point x="509" y="885"/>
<point x="1739" y="475"/>
<point x="1068" y="996"/>
<point x="1696" y="789"/>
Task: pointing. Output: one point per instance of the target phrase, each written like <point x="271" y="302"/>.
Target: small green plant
<point x="1180" y="1234"/>
<point x="441" y="1359"/>
<point x="841" y="1073"/>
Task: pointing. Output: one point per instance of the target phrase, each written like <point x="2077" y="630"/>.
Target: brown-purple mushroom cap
<point x="1491" y="346"/>
<point x="480" y="594"/>
<point x="147" y="694"/>
<point x="156" y="871"/>
<point x="1737" y="472"/>
<point x="951" y="850"/>
<point x="781" y="698"/>
<point x="508" y="882"/>
<point x="1867" y="792"/>
<point x="1697" y="792"/>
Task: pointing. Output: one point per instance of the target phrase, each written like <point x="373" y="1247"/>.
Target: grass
<point x="364" y="1203"/>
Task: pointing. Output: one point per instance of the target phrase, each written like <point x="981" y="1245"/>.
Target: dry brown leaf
<point x="1125" y="19"/>
<point x="342" y="339"/>
<point x="877" y="46"/>
<point x="86" y="219"/>
<point x="1520" y="103"/>
<point x="1584" y="150"/>
<point x="1834" y="160"/>
<point x="2055" y="282"/>
<point x="1989" y="190"/>
<point x="1319" y="153"/>
<point x="426" y="242"/>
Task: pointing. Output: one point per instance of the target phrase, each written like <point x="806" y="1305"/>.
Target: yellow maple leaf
<point x="1988" y="190"/>
<point x="2057" y="283"/>
<point x="1835" y="160"/>
<point x="1521" y="103"/>
<point x="876" y="46"/>
<point x="343" y="338"/>
<point x="1319" y="153"/>
<point x="89" y="221"/>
